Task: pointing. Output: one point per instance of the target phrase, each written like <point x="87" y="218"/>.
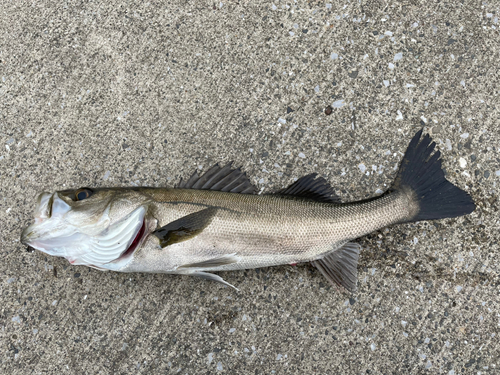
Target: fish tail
<point x="421" y="177"/>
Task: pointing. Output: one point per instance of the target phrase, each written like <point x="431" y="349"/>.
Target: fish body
<point x="215" y="222"/>
<point x="258" y="230"/>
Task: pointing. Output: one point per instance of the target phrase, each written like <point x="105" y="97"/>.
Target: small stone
<point x="486" y="174"/>
<point x="328" y="110"/>
<point x="362" y="168"/>
<point x="338" y="103"/>
<point x="353" y="74"/>
<point x="462" y="162"/>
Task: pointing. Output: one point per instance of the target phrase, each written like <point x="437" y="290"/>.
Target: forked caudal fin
<point x="421" y="174"/>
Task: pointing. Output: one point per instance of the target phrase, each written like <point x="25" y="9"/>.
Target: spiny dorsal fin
<point x="340" y="266"/>
<point x="220" y="179"/>
<point x="310" y="187"/>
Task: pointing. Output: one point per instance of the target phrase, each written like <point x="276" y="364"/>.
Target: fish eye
<point x="82" y="194"/>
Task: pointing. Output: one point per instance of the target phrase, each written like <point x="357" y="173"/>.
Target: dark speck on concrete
<point x="353" y="74"/>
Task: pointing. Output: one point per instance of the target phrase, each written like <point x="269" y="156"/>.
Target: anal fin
<point x="340" y="266"/>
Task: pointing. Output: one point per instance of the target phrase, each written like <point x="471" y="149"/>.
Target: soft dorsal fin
<point x="310" y="187"/>
<point x="221" y="179"/>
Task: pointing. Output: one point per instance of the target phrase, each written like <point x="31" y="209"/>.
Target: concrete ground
<point x="124" y="94"/>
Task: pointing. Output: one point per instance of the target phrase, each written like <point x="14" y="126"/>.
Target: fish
<point x="217" y="222"/>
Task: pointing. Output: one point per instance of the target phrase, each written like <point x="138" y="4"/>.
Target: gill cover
<point x="111" y="243"/>
<point x="83" y="234"/>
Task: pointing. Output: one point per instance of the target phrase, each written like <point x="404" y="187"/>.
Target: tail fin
<point x="421" y="171"/>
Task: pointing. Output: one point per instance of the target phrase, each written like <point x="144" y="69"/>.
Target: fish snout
<point x="42" y="212"/>
<point x="26" y="234"/>
<point x="43" y="206"/>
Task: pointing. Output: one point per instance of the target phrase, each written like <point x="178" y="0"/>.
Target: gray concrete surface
<point x="120" y="94"/>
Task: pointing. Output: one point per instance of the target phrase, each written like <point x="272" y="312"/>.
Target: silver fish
<point x="216" y="222"/>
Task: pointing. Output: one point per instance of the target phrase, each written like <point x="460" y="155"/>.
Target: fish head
<point x="100" y="228"/>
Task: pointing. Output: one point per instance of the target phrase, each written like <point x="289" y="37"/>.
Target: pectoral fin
<point x="185" y="228"/>
<point x="340" y="266"/>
